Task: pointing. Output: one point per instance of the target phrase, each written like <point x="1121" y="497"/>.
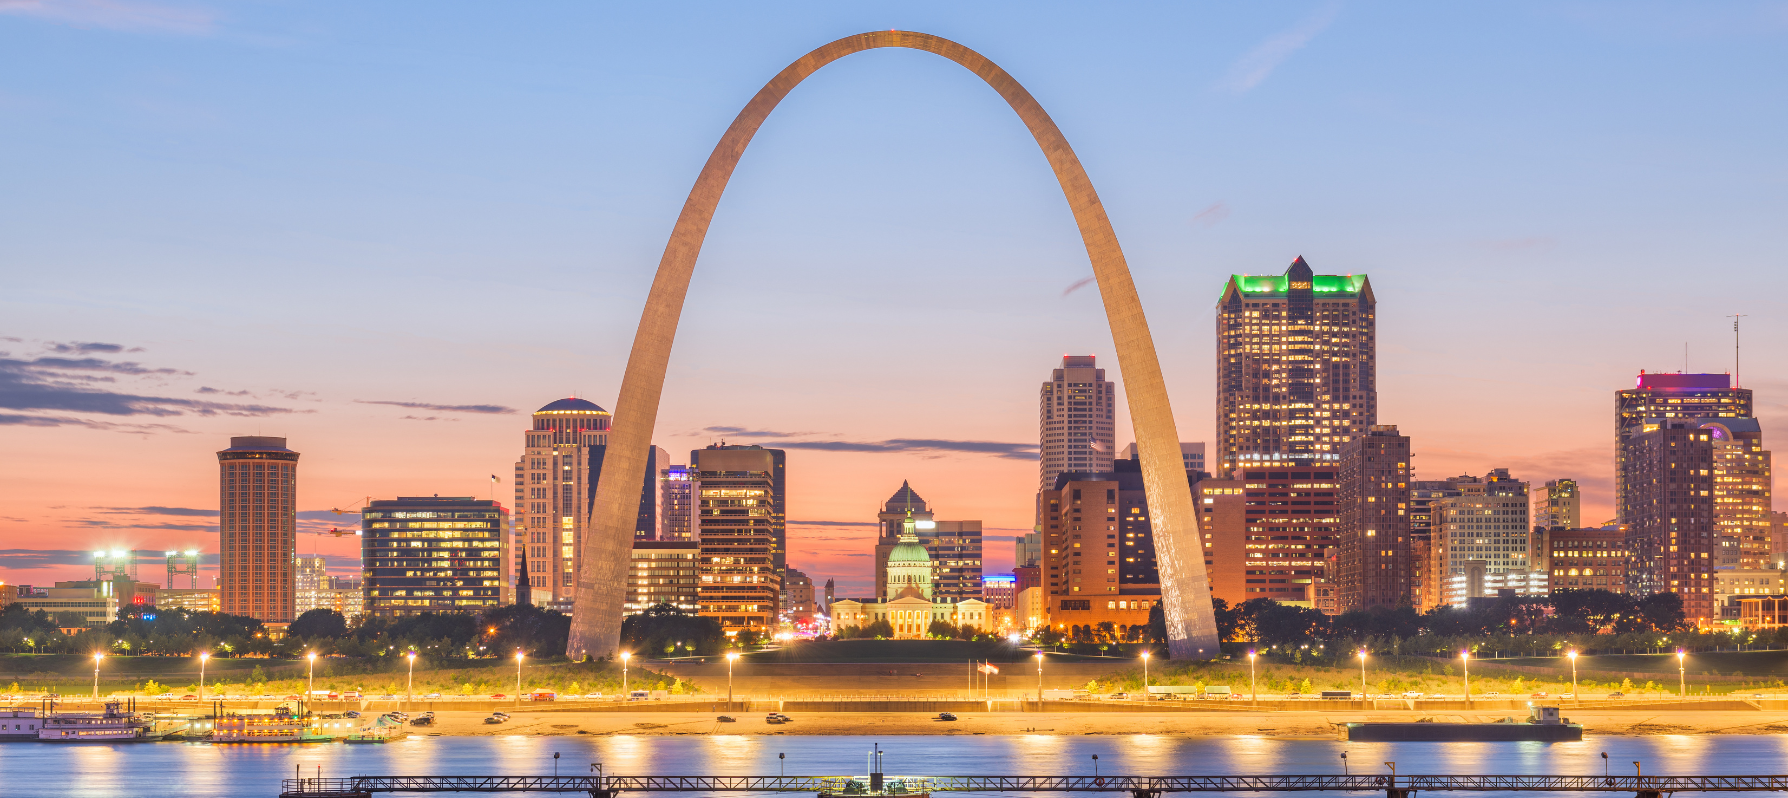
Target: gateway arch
<point x="602" y="584"/>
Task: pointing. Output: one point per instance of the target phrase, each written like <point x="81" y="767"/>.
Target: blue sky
<point x="311" y="208"/>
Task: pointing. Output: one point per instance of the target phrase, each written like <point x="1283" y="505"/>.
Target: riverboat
<point x="279" y="727"/>
<point x="1543" y="724"/>
<point x="116" y="724"/>
<point x="19" y="724"/>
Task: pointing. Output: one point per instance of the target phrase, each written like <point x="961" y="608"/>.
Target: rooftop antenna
<point x="1735" y="317"/>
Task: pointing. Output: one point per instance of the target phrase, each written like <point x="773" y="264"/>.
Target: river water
<point x="198" y="770"/>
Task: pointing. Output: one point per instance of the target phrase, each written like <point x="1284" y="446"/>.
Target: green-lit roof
<point x="1279" y="284"/>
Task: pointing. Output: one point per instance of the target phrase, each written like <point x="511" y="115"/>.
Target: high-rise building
<point x="1429" y="571"/>
<point x="1742" y="501"/>
<point x="1269" y="530"/>
<point x="664" y="572"/>
<point x="1588" y="559"/>
<point x="1100" y="550"/>
<point x="1670" y="396"/>
<point x="955" y="549"/>
<point x="797" y="597"/>
<point x="904" y="503"/>
<point x="999" y="590"/>
<point x="741" y="516"/>
<point x="1669" y="513"/>
<point x="1192" y="454"/>
<point x="1027" y="549"/>
<point x="1296" y="357"/>
<point x="310" y="581"/>
<point x="432" y="554"/>
<point x="1486" y="524"/>
<point x="555" y="486"/>
<point x="1076" y="420"/>
<point x="676" y="499"/>
<point x="1559" y="505"/>
<point x="1374" y="555"/>
<point x="258" y="527"/>
<point x="1228" y="546"/>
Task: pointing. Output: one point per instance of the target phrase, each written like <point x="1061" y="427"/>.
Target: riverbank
<point x="1288" y="724"/>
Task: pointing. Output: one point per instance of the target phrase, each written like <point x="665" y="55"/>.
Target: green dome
<point x="909" y="552"/>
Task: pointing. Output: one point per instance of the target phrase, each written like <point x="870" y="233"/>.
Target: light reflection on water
<point x="193" y="770"/>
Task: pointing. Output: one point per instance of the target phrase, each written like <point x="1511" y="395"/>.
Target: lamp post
<point x="410" y="681"/>
<point x="518" y="663"/>
<point x="731" y="657"/>
<point x="1682" y="674"/>
<point x="203" y="656"/>
<point x="96" y="659"/>
<point x="1039" y="680"/>
<point x="1465" y="658"/>
<point x="310" y="676"/>
<point x="625" y="655"/>
<point x="1145" y="674"/>
<point x="1363" y="674"/>
<point x="1253" y="691"/>
<point x="1572" y="656"/>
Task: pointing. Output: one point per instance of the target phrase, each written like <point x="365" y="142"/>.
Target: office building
<point x="904" y="504"/>
<point x="1669" y="513"/>
<point x="197" y="599"/>
<point x="1486" y="527"/>
<point x="1731" y="588"/>
<point x="258" y="528"/>
<point x="1742" y="500"/>
<point x="664" y="572"/>
<point x="1559" y="505"/>
<point x="94" y="606"/>
<point x="1373" y="553"/>
<point x="1099" y="561"/>
<point x="1296" y="357"/>
<point x="1076" y="412"/>
<point x="1428" y="574"/>
<point x="1669" y="396"/>
<point x="741" y="518"/>
<point x="1223" y="527"/>
<point x="797" y="599"/>
<point x="676" y="500"/>
<point x="1192" y="454"/>
<point x="955" y="549"/>
<point x="1268" y="530"/>
<point x="309" y="581"/>
<point x="432" y="554"/>
<point x="555" y="486"/>
<point x="999" y="590"/>
<point x="1027" y="549"/>
<point x="1476" y="581"/>
<point x="1588" y="559"/>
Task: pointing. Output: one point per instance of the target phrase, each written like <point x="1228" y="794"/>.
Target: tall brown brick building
<point x="257" y="493"/>
<point x="1373" y="559"/>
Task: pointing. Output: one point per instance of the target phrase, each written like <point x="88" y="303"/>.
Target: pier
<point x="1392" y="786"/>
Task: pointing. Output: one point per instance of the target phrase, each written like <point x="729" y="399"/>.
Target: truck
<point x="1170" y="692"/>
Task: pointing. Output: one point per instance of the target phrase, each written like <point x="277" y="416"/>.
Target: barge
<point x="1543" y="724"/>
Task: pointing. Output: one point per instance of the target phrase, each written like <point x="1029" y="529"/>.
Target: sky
<point x="389" y="231"/>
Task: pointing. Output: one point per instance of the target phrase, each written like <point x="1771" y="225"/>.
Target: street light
<point x="96" y="659"/>
<point x="410" y="683"/>
<point x="311" y="676"/>
<point x="731" y="657"/>
<point x="1572" y="656"/>
<point x="1465" y="657"/>
<point x="1363" y="674"/>
<point x="1253" y="692"/>
<point x="1039" y="680"/>
<point x="625" y="655"/>
<point x="203" y="656"/>
<point x="1682" y="675"/>
<point x="518" y="662"/>
<point x="1145" y="674"/>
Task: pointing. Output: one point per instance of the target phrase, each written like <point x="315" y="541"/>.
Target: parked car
<point x="1540" y="694"/>
<point x="1412" y="694"/>
<point x="778" y="717"/>
<point x="725" y="719"/>
<point x="493" y="719"/>
<point x="498" y="696"/>
<point x="182" y="698"/>
<point x="352" y="713"/>
<point x="432" y="697"/>
<point x="1567" y="695"/>
<point x="1617" y="694"/>
<point x="425" y="719"/>
<point x="1492" y="694"/>
<point x="946" y="716"/>
<point x="503" y="715"/>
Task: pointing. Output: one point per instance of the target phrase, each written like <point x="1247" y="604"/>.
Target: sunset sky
<point x="389" y="231"/>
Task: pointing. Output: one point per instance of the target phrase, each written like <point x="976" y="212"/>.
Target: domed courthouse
<point x="910" y="606"/>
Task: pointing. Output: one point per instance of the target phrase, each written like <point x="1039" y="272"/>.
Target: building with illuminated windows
<point x="676" y="504"/>
<point x="258" y="528"/>
<point x="1558" y="505"/>
<point x="1668" y="396"/>
<point x="910" y="606"/>
<point x="555" y="487"/>
<point x="741" y="520"/>
<point x="1670" y="519"/>
<point x="663" y="572"/>
<point x="1296" y="358"/>
<point x="433" y="554"/>
<point x="1076" y="412"/>
<point x="1373" y="553"/>
<point x="1588" y="559"/>
<point x="1485" y="527"/>
<point x="1099" y="549"/>
<point x="1741" y="488"/>
<point x="1267" y="531"/>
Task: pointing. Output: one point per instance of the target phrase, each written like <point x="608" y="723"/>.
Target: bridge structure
<point x="1393" y="786"/>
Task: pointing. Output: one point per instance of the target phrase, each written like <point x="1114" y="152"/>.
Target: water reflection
<point x="193" y="770"/>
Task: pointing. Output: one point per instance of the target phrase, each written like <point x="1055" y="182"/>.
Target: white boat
<point x="115" y="725"/>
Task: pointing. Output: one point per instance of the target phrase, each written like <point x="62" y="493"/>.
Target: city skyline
<point x="847" y="441"/>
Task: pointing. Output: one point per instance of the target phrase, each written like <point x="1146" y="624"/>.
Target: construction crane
<point x="340" y="511"/>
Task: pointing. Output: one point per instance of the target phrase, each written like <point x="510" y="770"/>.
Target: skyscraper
<point x="1374" y="553"/>
<point x="555" y="484"/>
<point x="1484" y="534"/>
<point x="676" y="500"/>
<point x="1742" y="502"/>
<point x="1669" y="510"/>
<point x="1672" y="396"/>
<point x="1076" y="412"/>
<point x="432" y="554"/>
<point x="1100" y="550"/>
<point x="258" y="526"/>
<point x="1559" y="505"/>
<point x="1296" y="359"/>
<point x="955" y="548"/>
<point x="742" y="521"/>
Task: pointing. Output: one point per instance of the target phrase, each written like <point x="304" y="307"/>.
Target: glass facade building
<point x="432" y="554"/>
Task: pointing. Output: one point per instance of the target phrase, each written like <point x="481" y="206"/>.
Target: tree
<point x="663" y="627"/>
<point x="1662" y="612"/>
<point x="1158" y="622"/>
<point x="319" y="623"/>
<point x="537" y="631"/>
<point x="941" y="629"/>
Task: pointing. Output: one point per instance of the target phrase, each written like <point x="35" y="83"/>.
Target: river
<point x="197" y="770"/>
